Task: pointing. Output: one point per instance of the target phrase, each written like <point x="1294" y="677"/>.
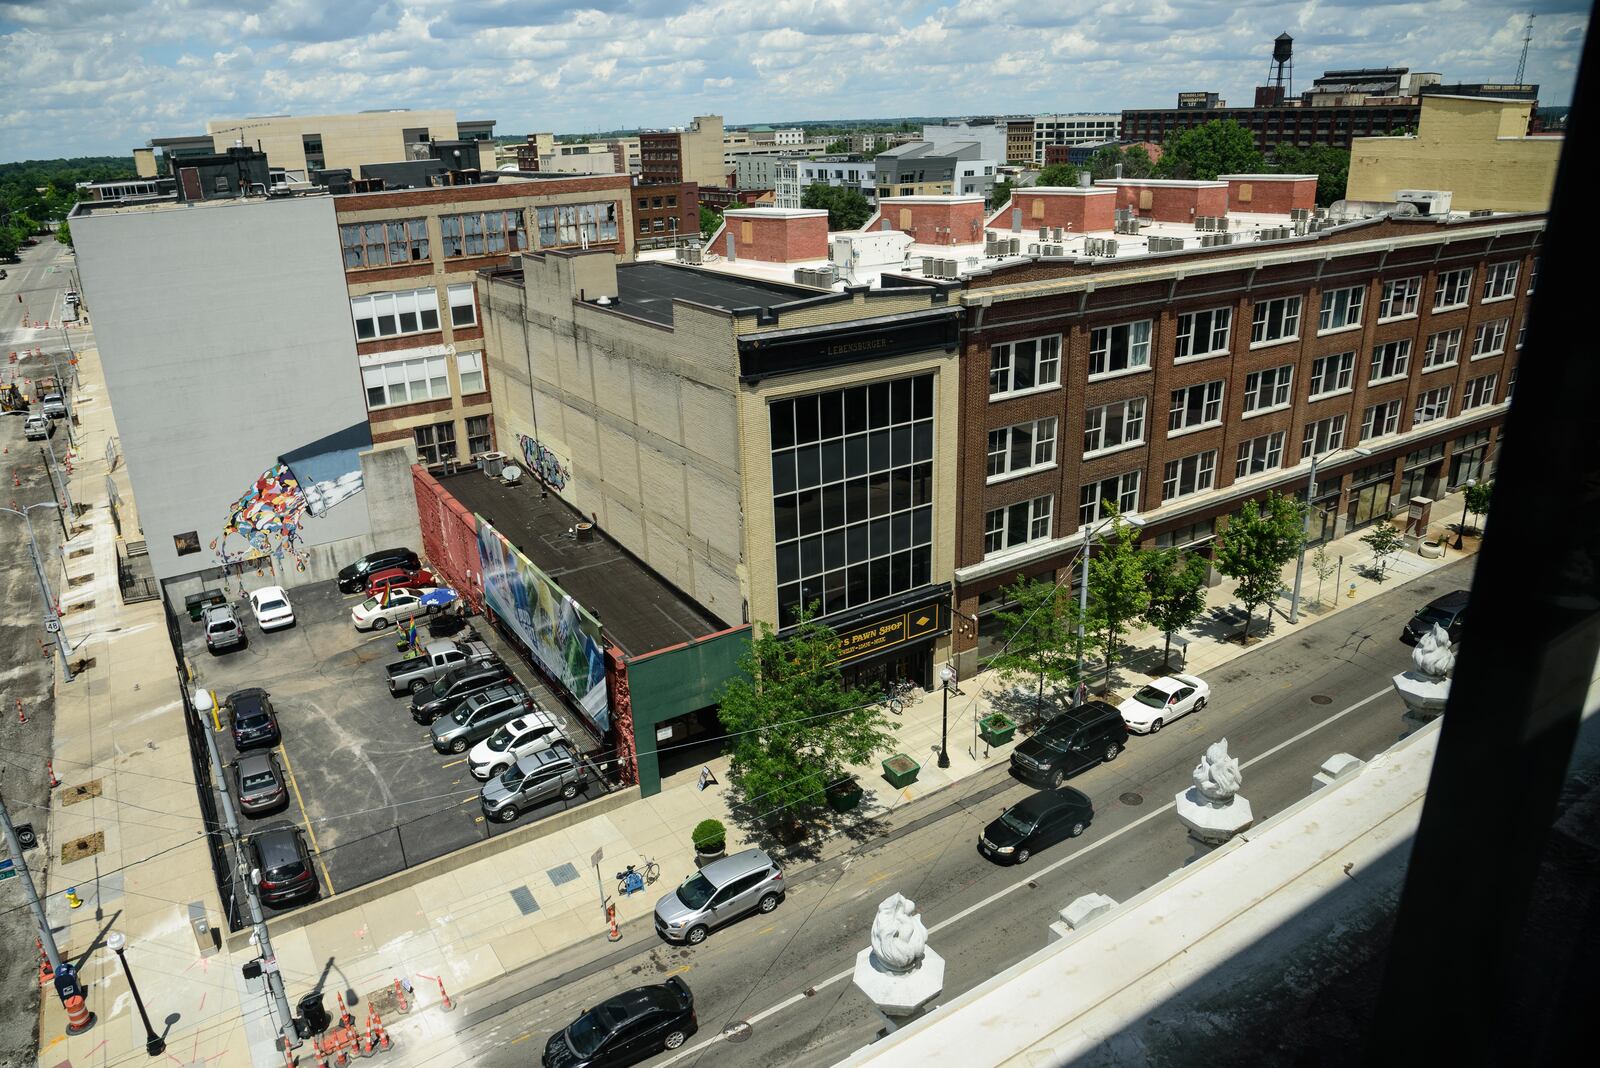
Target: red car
<point x="415" y="578"/>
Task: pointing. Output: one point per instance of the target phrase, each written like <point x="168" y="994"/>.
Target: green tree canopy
<point x="1177" y="586"/>
<point x="710" y="219"/>
<point x="1041" y="638"/>
<point x="1203" y="152"/>
<point x="1330" y="165"/>
<point x="1384" y="540"/>
<point x="1136" y="163"/>
<point x="1103" y="163"/>
<point x="1058" y="174"/>
<point x="1002" y="193"/>
<point x="847" y="208"/>
<point x="1252" y="549"/>
<point x="1117" y="590"/>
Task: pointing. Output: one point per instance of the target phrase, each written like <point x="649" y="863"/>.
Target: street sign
<point x="7" y="870"/>
<point x="52" y="626"/>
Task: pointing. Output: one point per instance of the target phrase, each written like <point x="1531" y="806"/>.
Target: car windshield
<point x="1017" y="821"/>
<point x="696" y="891"/>
<point x="586" y="1033"/>
<point x="1435" y="615"/>
<point x="1151" y="696"/>
<point x="273" y="605"/>
<point x="500" y="739"/>
<point x="512" y="778"/>
<point x="259" y="781"/>
<point x="442" y="687"/>
<point x="370" y="603"/>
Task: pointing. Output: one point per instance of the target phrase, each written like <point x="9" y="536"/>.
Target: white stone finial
<point x="1217" y="776"/>
<point x="899" y="937"/>
<point x="1433" y="656"/>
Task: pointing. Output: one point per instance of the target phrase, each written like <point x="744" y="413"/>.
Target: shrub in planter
<point x="845" y="794"/>
<point x="710" y="839"/>
<point x="997" y="728"/>
<point x="901" y="771"/>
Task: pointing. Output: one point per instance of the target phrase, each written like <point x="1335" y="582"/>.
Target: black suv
<point x="454" y="687"/>
<point x="353" y="577"/>
<point x="252" y="720"/>
<point x="279" y="853"/>
<point x="626" y="1028"/>
<point x="1071" y="742"/>
<point x="1446" y="611"/>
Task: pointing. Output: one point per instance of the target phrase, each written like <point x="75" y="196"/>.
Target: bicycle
<point x="899" y="695"/>
<point x="634" y="880"/>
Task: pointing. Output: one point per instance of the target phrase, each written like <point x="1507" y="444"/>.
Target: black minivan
<point x="353" y="577"/>
<point x="1074" y="740"/>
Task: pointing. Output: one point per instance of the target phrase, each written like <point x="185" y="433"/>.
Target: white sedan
<point x="526" y="734"/>
<point x="272" y="608"/>
<point x="1163" y="700"/>
<point x="375" y="613"/>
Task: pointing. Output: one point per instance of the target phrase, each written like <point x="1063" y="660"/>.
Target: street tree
<point x="1330" y="165"/>
<point x="794" y="724"/>
<point x="1205" y="151"/>
<point x="1002" y="193"/>
<point x="1252" y="549"/>
<point x="1323" y="565"/>
<point x="64" y="233"/>
<point x="1058" y="174"/>
<point x="1103" y="163"/>
<point x="710" y="219"/>
<point x="847" y="209"/>
<point x="1041" y="646"/>
<point x="1384" y="540"/>
<point x="1177" y="586"/>
<point x="1478" y="497"/>
<point x="1136" y="163"/>
<point x="1117" y="590"/>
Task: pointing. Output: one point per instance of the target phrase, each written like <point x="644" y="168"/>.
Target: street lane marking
<point x="1034" y="875"/>
<point x="522" y="1037"/>
<point x="315" y="848"/>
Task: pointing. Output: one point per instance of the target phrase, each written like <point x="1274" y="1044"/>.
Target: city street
<point x="780" y="984"/>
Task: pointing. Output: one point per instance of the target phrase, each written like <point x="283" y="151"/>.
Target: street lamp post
<point x="947" y="675"/>
<point x="1083" y="610"/>
<point x="1461" y="530"/>
<point x="52" y="621"/>
<point x="1300" y="561"/>
<point x="154" y="1044"/>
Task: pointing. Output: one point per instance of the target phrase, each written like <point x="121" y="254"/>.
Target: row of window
<point x="436" y="442"/>
<point x="482" y="233"/>
<point x="421" y="379"/>
<point x="411" y="311"/>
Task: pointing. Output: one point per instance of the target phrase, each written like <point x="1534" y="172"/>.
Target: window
<point x="1259" y="454"/>
<point x="1275" y="320"/>
<point x="1113" y="349"/>
<point x="1390" y="361"/>
<point x="1185" y="537"/>
<point x="1192" y="474"/>
<point x="1017" y="524"/>
<point x="1023" y="366"/>
<point x="1195" y="406"/>
<point x="1533" y="276"/>
<point x="391" y="314"/>
<point x="573" y="224"/>
<point x="1341" y="308"/>
<point x="852" y="485"/>
<point x="436" y="443"/>
<point x="1265" y="391"/>
<point x="1443" y="349"/>
<point x="482" y="233"/>
<point x="1452" y="289"/>
<point x="463" y="305"/>
<point x="469" y="367"/>
<point x="1113" y="426"/>
<point x="1522" y="332"/>
<point x="1431" y="405"/>
<point x="672" y="202"/>
<point x="1479" y="392"/>
<point x="1121" y="490"/>
<point x="1322" y="435"/>
<point x="1203" y="333"/>
<point x="1024" y="447"/>
<point x="406" y="381"/>
<point x="1380" y="420"/>
<point x="382" y="244"/>
<point x="1331" y="374"/>
<point x="478" y="436"/>
<point x="1511" y="385"/>
<point x="1490" y="338"/>
<point x="1399" y="298"/>
<point x="1500" y="281"/>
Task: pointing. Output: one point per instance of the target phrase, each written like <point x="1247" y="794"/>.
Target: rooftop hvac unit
<point x="1033" y="248"/>
<point x="1202" y="222"/>
<point x="1426" y="201"/>
<point x="1014" y="246"/>
<point x="1478" y="213"/>
<point x="1044" y="233"/>
<point x="1222" y="223"/>
<point x="930" y="267"/>
<point x="1108" y="247"/>
<point x="1299" y="214"/>
<point x="949" y="269"/>
<point x="1055" y="234"/>
<point x="991" y="244"/>
<point x="697" y="254"/>
<point x="492" y="463"/>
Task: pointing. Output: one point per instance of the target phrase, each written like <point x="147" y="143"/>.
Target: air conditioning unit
<point x="991" y="244"/>
<point x="1222" y="223"/>
<point x="1055" y="234"/>
<point x="1044" y="233"/>
<point x="1299" y="214"/>
<point x="1202" y="222"/>
<point x="1014" y="246"/>
<point x="1033" y="248"/>
<point x="950" y="269"/>
<point x="492" y="463"/>
<point x="1426" y="201"/>
<point x="930" y="267"/>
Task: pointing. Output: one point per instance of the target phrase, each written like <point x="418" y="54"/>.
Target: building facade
<point x="1288" y="123"/>
<point x="693" y="154"/>
<point x="989" y="136"/>
<point x="1072" y="129"/>
<point x="922" y="168"/>
<point x="857" y="174"/>
<point x="664" y="213"/>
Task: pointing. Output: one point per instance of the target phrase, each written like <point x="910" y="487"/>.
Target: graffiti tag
<point x="538" y="458"/>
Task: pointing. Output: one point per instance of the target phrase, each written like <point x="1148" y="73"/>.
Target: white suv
<point x="524" y="735"/>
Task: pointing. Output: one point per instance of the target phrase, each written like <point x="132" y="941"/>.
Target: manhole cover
<point x="81" y="792"/>
<point x="87" y="846"/>
<point x="737" y="1032"/>
<point x="1321" y="699"/>
<point x="1032" y="885"/>
<point x="1131" y="798"/>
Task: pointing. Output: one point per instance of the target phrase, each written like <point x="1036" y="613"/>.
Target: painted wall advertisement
<point x="556" y="630"/>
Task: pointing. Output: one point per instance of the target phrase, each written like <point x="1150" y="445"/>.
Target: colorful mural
<point x="554" y="628"/>
<point x="545" y="463"/>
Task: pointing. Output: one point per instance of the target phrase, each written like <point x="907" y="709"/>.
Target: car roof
<point x="243" y="699"/>
<point x="270" y="590"/>
<point x="1085" y="714"/>
<point x="1166" y="684"/>
<point x="1037" y="804"/>
<point x="534" y="761"/>
<point x="635" y="1002"/>
<point x="532" y="721"/>
<point x="277" y="845"/>
<point x="721" y="872"/>
<point x="1454" y="599"/>
<point x="256" y="763"/>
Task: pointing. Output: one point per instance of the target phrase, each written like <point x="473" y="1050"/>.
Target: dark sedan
<point x="258" y="784"/>
<point x="251" y="719"/>
<point x="1448" y="612"/>
<point x="626" y="1029"/>
<point x="1035" y="822"/>
<point x="283" y="864"/>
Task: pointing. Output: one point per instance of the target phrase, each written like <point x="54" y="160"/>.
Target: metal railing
<point x="135" y="579"/>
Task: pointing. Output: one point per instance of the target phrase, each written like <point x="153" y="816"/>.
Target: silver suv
<point x="721" y="891"/>
<point x="533" y="779"/>
<point x="479" y="715"/>
<point x="222" y="628"/>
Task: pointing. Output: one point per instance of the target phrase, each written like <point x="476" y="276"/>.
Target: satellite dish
<point x="510" y="474"/>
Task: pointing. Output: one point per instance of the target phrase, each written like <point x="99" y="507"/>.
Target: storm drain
<point x="87" y="846"/>
<point x="384" y="1001"/>
<point x="81" y="792"/>
<point x="524" y="899"/>
<point x="1131" y="798"/>
<point x="737" y="1031"/>
<point x="562" y="874"/>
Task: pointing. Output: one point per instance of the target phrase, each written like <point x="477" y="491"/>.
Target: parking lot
<point x="364" y="780"/>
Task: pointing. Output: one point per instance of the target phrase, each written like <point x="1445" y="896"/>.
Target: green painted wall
<point x="674" y="682"/>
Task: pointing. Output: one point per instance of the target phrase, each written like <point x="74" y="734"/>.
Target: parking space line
<point x="288" y="768"/>
<point x="453" y="763"/>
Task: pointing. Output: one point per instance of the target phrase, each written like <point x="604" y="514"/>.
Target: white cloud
<point x="100" y="76"/>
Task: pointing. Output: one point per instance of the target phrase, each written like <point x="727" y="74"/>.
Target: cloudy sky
<point x="81" y="77"/>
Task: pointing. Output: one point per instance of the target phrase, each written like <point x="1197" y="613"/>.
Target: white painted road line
<point x="1033" y="876"/>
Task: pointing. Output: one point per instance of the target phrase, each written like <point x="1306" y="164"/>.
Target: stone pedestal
<point x="1425" y="695"/>
<point x="901" y="996"/>
<point x="1210" y="822"/>
<point x="1336" y="767"/>
<point x="1082" y="911"/>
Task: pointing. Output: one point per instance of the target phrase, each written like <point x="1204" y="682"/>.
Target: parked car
<point x="353" y="577"/>
<point x="376" y="613"/>
<point x="626" y="1028"/>
<point x="53" y="406"/>
<point x="271" y="607"/>
<point x="1034" y="822"/>
<point x="416" y="673"/>
<point x="721" y="891"/>
<point x="413" y="577"/>
<point x="222" y="628"/>
<point x="1074" y="740"/>
<point x="538" y="777"/>
<point x="282" y="864"/>
<point x="38" y="427"/>
<point x="1447" y="611"/>
<point x="251" y="719"/>
<point x="258" y="783"/>
<point x="1163" y="700"/>
<point x="454" y="687"/>
<point x="510" y="743"/>
<point x="479" y="715"/>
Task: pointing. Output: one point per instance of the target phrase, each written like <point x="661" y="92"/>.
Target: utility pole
<point x="53" y="470"/>
<point x="52" y="621"/>
<point x="1527" y="39"/>
<point x="25" y="877"/>
<point x="1083" y="613"/>
<point x="269" y="962"/>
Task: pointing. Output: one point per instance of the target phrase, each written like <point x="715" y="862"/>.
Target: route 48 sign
<point x="52" y="626"/>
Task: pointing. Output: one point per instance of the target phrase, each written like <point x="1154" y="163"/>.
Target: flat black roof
<point x="647" y="290"/>
<point x="639" y="610"/>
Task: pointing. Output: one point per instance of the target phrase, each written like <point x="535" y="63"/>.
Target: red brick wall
<point x="1173" y="203"/>
<point x="1273" y="196"/>
<point x="449" y="537"/>
<point x="1079" y="212"/>
<point x="778" y="239"/>
<point x="964" y="220"/>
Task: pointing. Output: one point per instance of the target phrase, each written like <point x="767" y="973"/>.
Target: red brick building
<point x="664" y="213"/>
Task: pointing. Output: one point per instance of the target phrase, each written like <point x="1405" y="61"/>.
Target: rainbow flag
<point x="411" y="632"/>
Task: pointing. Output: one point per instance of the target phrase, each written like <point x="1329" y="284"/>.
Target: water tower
<point x="1282" y="65"/>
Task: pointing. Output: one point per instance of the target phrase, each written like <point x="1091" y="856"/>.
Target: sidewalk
<point x="468" y="920"/>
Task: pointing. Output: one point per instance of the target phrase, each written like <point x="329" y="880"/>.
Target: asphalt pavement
<point x="776" y="990"/>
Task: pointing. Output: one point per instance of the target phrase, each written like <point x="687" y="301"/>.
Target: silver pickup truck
<point x="416" y="673"/>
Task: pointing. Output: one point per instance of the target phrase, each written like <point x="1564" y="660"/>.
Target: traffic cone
<point x="22" y="717"/>
<point x="46" y="971"/>
<point x="380" y="1036"/>
<point x="50" y="770"/>
<point x="615" y="933"/>
<point x="400" y="998"/>
<point x="345" y="1019"/>
<point x="79" y="1018"/>
<point x="444" y="999"/>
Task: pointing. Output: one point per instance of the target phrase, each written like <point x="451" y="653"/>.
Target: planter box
<point x="845" y="796"/>
<point x="996" y="729"/>
<point x="901" y="771"/>
<point x="704" y="857"/>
